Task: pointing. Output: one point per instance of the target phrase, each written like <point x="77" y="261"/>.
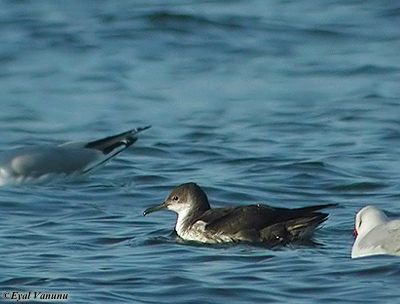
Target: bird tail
<point x="297" y="229"/>
<point x="303" y="228"/>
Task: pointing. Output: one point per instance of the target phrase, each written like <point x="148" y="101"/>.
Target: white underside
<point x="198" y="233"/>
<point x="372" y="250"/>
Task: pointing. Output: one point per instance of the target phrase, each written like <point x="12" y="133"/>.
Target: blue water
<point x="289" y="103"/>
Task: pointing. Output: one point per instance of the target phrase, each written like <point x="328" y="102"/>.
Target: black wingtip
<point x="140" y="129"/>
<point x="108" y="144"/>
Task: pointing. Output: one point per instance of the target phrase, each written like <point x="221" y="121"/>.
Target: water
<point x="279" y="102"/>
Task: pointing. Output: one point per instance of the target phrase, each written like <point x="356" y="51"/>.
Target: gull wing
<point x="383" y="238"/>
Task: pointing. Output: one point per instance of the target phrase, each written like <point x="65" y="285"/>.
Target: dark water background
<point x="289" y="103"/>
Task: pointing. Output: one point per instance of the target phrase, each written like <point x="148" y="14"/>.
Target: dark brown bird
<point x="252" y="223"/>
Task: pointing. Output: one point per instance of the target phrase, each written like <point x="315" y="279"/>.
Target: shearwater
<point x="41" y="162"/>
<point x="196" y="220"/>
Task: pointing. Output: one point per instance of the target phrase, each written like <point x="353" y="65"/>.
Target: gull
<point x="375" y="234"/>
<point x="197" y="222"/>
<point x="40" y="163"/>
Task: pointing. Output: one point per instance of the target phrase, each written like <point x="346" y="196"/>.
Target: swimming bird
<point x="196" y="220"/>
<point x="40" y="163"/>
<point x="376" y="234"/>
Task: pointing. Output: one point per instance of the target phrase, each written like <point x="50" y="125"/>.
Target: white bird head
<point x="368" y="218"/>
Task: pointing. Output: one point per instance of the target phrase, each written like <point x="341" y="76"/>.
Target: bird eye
<point x="175" y="198"/>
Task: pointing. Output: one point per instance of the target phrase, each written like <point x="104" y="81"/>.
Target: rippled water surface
<point x="281" y="102"/>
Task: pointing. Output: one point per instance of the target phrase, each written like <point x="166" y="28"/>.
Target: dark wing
<point x="255" y="217"/>
<point x="297" y="229"/>
<point x="234" y="219"/>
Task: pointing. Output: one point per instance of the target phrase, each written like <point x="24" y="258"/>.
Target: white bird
<point x="40" y="163"/>
<point x="376" y="234"/>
